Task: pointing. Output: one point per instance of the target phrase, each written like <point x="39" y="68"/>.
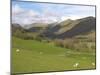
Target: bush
<point x="23" y="35"/>
<point x="27" y="37"/>
<point x="68" y="43"/>
<point x="38" y="38"/>
<point x="74" y="44"/>
<point x="58" y="43"/>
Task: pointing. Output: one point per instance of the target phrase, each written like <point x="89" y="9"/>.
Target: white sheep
<point x="17" y="50"/>
<point x="76" y="64"/>
<point x="93" y="64"/>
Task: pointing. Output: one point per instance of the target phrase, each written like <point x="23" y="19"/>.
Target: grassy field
<point x="35" y="56"/>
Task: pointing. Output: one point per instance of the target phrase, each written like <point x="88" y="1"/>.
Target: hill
<point x="83" y="26"/>
<point x="66" y="29"/>
<point x="71" y="28"/>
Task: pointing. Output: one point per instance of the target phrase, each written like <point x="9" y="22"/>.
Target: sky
<point x="31" y="12"/>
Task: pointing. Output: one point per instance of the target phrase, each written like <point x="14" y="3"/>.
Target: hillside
<point x="71" y="28"/>
<point x="83" y="26"/>
<point x="66" y="29"/>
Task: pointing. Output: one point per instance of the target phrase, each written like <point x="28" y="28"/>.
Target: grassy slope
<point x="29" y="58"/>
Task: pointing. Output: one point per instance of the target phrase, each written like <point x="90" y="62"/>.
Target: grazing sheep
<point x="93" y="64"/>
<point x="76" y="64"/>
<point x="17" y="50"/>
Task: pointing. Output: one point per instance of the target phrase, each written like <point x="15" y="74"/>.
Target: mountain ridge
<point x="65" y="29"/>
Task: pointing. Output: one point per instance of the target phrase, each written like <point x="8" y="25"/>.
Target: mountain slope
<point x="65" y="29"/>
<point x="16" y="27"/>
<point x="71" y="28"/>
<point x="84" y="26"/>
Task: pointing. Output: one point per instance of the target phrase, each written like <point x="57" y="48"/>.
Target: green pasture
<point x="35" y="56"/>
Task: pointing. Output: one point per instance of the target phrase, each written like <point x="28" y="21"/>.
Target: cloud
<point x="31" y="13"/>
<point x="68" y="11"/>
<point x="16" y="10"/>
<point x="22" y="16"/>
<point x="74" y="17"/>
<point x="27" y="13"/>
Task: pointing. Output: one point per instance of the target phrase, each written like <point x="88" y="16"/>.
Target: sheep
<point x="76" y="65"/>
<point x="93" y="64"/>
<point x="17" y="50"/>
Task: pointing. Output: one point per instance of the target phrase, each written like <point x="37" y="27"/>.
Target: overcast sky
<point x="32" y="12"/>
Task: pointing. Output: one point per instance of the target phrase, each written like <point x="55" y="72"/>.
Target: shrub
<point x="74" y="44"/>
<point x="59" y="43"/>
<point x="38" y="38"/>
